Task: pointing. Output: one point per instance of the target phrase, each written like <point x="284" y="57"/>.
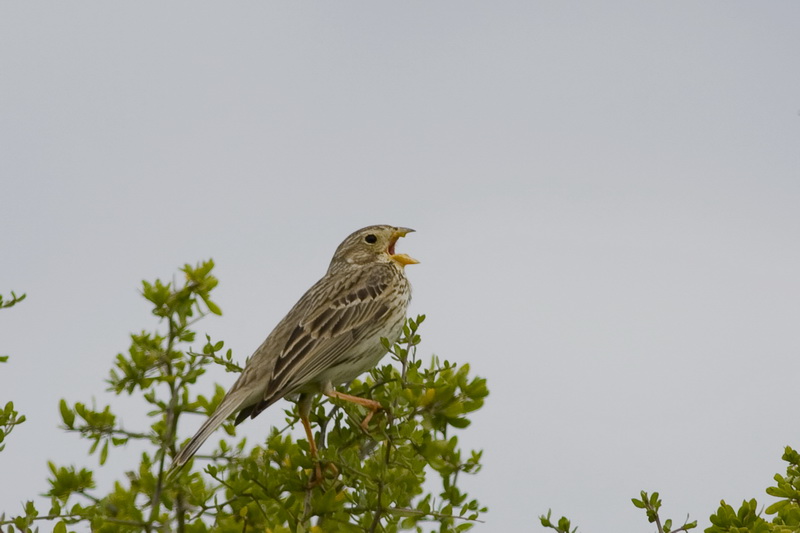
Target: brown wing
<point x="331" y="323"/>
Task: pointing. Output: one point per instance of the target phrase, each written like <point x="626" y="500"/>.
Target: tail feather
<point x="228" y="406"/>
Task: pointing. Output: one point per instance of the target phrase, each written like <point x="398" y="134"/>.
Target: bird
<point x="331" y="336"/>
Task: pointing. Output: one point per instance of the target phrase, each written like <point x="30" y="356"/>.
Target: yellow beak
<point x="404" y="259"/>
<point x="401" y="259"/>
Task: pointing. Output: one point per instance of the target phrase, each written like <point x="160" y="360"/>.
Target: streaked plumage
<point x="331" y="335"/>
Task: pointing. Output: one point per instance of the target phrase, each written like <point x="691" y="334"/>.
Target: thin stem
<point x="167" y="438"/>
<point x="91" y="430"/>
<point x="406" y="510"/>
<point x="205" y="508"/>
<point x="376" y="520"/>
<point x="658" y="524"/>
<point x="81" y="517"/>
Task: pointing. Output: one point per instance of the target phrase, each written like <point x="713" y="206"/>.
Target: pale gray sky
<point x="605" y="195"/>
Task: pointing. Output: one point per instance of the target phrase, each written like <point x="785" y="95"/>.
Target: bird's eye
<point x="371" y="239"/>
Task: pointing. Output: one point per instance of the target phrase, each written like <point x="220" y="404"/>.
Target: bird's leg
<point x="312" y="448"/>
<point x="304" y="409"/>
<point x="372" y="405"/>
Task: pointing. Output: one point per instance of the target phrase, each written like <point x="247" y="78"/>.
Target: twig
<point x="168" y="436"/>
<point x="405" y="510"/>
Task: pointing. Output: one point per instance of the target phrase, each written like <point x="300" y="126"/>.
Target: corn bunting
<point x="331" y="335"/>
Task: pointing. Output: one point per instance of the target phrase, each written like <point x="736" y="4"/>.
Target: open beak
<point x="401" y="259"/>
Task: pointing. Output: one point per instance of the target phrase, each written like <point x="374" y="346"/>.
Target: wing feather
<point x="330" y="328"/>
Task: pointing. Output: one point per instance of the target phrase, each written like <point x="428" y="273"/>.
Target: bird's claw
<point x="318" y="477"/>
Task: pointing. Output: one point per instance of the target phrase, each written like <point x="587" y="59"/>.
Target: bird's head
<point x="371" y="244"/>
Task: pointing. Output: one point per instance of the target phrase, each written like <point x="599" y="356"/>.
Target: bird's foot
<point x="317" y="479"/>
<point x="319" y="474"/>
<point x="372" y="405"/>
<point x="365" y="422"/>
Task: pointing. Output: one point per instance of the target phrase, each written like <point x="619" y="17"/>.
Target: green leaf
<point x="67" y="414"/>
<point x="459" y="422"/>
<point x="104" y="453"/>
<point x="214" y="308"/>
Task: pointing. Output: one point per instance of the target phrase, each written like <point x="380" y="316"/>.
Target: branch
<point x="104" y="430"/>
<point x="405" y="510"/>
<point x="80" y="517"/>
<point x="14" y="300"/>
<point x="168" y="436"/>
